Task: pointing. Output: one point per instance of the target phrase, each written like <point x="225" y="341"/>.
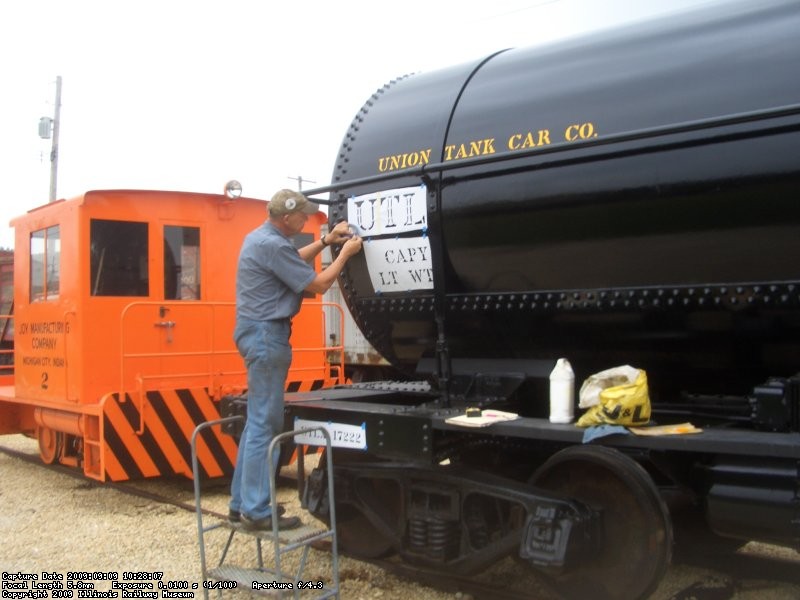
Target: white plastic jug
<point x="562" y="392"/>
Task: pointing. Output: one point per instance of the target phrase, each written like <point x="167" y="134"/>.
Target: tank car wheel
<point x="50" y="444"/>
<point x="637" y="528"/>
<point x="358" y="537"/>
<point x="356" y="534"/>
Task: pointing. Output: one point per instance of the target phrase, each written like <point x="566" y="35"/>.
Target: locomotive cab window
<point x="181" y="263"/>
<point x="118" y="258"/>
<point x="45" y="261"/>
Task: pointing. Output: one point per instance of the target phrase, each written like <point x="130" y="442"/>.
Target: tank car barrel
<point x="632" y="191"/>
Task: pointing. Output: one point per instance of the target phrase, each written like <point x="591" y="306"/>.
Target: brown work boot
<point x="265" y="524"/>
<point x="234" y="516"/>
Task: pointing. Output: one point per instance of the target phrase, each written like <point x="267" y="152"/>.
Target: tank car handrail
<point x="616" y="138"/>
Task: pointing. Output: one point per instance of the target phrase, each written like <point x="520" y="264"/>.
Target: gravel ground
<point x="53" y="522"/>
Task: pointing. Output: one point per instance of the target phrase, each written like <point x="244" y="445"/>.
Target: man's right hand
<point x="351" y="246"/>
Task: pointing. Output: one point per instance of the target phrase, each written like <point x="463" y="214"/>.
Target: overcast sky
<point x="187" y="94"/>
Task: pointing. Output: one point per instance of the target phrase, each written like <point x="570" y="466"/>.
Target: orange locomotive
<point x="123" y="319"/>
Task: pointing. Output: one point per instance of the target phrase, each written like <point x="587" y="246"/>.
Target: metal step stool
<point x="272" y="580"/>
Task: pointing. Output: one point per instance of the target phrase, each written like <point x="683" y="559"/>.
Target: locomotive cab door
<point x="168" y="335"/>
<point x="182" y="326"/>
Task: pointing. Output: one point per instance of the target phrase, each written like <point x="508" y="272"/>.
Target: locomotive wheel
<point x="50" y="444"/>
<point x="637" y="529"/>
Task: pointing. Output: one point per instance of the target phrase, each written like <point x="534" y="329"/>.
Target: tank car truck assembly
<point x="629" y="197"/>
<point x="122" y="330"/>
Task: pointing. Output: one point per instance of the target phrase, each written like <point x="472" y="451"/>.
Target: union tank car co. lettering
<point x="521" y="140"/>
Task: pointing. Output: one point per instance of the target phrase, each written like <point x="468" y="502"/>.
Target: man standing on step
<point x="271" y="278"/>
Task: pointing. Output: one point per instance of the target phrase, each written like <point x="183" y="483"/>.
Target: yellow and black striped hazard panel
<point x="161" y="445"/>
<point x="306" y="385"/>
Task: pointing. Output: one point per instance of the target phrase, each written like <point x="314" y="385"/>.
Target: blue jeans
<point x="264" y="345"/>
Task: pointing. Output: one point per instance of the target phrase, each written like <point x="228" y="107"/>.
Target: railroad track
<point x="727" y="574"/>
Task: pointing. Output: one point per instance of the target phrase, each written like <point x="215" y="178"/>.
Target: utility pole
<point x="54" y="148"/>
<point x="299" y="179"/>
<point x="45" y="126"/>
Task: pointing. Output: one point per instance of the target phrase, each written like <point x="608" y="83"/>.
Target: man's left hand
<point x="339" y="234"/>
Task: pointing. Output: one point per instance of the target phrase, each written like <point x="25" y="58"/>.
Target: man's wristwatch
<point x="324" y="243"/>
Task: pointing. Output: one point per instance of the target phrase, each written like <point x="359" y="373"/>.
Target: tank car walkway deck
<point x="382" y="418"/>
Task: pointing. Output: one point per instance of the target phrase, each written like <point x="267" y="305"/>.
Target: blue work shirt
<point x="271" y="276"/>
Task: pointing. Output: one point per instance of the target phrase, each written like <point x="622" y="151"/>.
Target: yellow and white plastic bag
<point x="616" y="396"/>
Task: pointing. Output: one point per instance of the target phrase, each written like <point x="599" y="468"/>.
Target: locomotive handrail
<point x="335" y="348"/>
<point x="625" y="136"/>
<point x="212" y="352"/>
